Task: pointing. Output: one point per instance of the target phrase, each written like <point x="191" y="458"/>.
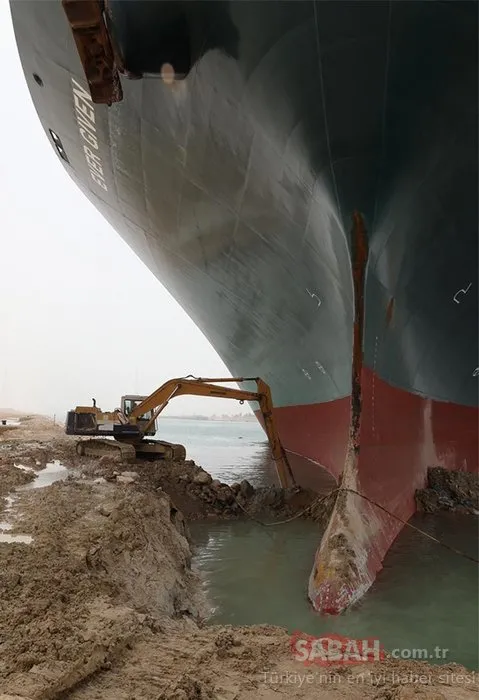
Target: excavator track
<point x="108" y="448"/>
<point x="158" y="449"/>
<point x="146" y="449"/>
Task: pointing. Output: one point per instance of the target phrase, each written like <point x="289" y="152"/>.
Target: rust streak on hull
<point x="340" y="574"/>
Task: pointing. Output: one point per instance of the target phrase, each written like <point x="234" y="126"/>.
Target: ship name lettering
<point x="85" y="116"/>
<point x="85" y="125"/>
<point x="89" y="138"/>
<point x="93" y="161"/>
<point x="83" y="107"/>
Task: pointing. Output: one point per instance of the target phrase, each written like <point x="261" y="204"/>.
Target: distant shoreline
<point x="214" y="419"/>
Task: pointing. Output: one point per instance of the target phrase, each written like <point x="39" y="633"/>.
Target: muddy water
<point x="425" y="597"/>
<point x="53" y="471"/>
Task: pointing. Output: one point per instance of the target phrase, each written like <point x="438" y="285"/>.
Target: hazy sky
<point x="70" y="327"/>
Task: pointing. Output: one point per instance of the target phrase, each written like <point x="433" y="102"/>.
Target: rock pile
<point x="449" y="491"/>
<point x="198" y="495"/>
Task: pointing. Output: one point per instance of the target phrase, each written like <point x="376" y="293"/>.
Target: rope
<point x="320" y="500"/>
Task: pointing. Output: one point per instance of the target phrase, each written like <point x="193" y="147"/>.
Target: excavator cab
<point x="128" y="405"/>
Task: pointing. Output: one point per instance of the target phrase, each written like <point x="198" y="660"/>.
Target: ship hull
<point x="237" y="185"/>
<point x="401" y="435"/>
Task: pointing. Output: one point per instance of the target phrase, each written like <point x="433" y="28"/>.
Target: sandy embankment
<point x="103" y="603"/>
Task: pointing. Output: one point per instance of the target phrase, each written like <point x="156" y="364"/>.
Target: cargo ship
<point x="240" y="148"/>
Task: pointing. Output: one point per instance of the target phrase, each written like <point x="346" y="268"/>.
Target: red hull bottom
<point x="401" y="435"/>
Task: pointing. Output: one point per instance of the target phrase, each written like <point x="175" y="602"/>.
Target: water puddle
<point x="9" y="424"/>
<point x="11" y="539"/>
<point x="53" y="471"/>
<point x="6" y="524"/>
<point x="24" y="469"/>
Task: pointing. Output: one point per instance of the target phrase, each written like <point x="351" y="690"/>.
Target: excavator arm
<point x="160" y="398"/>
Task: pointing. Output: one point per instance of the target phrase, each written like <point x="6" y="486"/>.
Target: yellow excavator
<point x="133" y="423"/>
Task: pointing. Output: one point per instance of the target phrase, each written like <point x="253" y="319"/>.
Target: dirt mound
<point x="251" y="663"/>
<point x="38" y="427"/>
<point x="102" y="557"/>
<point x="198" y="496"/>
<point x="10" y="478"/>
<point x="449" y="491"/>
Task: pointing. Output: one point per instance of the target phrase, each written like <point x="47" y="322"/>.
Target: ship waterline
<point x="237" y="185"/>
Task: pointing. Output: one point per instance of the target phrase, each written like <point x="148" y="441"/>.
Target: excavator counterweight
<point x="136" y="419"/>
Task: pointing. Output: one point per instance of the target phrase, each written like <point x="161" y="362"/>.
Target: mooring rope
<point x="320" y="500"/>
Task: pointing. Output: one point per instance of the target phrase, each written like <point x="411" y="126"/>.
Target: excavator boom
<point x="197" y="387"/>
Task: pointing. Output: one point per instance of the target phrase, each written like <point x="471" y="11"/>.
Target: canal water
<point x="425" y="598"/>
<point x="229" y="450"/>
